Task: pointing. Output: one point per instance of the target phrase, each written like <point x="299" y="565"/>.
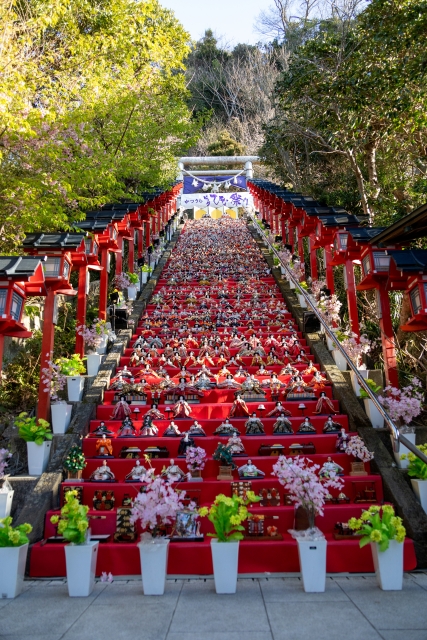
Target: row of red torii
<point x="50" y="258"/>
<point x="345" y="241"/>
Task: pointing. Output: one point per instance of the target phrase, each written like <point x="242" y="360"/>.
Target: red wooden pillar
<point x="313" y="260"/>
<point x="329" y="269"/>
<point x="351" y="297"/>
<point x="387" y="338"/>
<point x="103" y="285"/>
<point x="119" y="255"/>
<point x="43" y="406"/>
<point x="147" y="232"/>
<point x="283" y="226"/>
<point x="81" y="308"/>
<point x="131" y="254"/>
<point x="140" y="249"/>
<point x="300" y="245"/>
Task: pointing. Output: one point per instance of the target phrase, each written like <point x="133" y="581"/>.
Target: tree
<point x="92" y="108"/>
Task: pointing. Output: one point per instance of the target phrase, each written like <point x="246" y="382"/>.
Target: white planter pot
<point x="302" y="302"/>
<point x="404" y="464"/>
<point x="283" y="271"/>
<point x="75" y="388"/>
<point x="154" y="563"/>
<point x="330" y="343"/>
<point x="80" y="560"/>
<point x="225" y="558"/>
<point x="12" y="570"/>
<point x="291" y="284"/>
<point x="131" y="293"/>
<point x="61" y="417"/>
<point x="38" y="457"/>
<point x="340" y="361"/>
<point x="420" y="490"/>
<point x="373" y="414"/>
<point x="5" y="505"/>
<point x="389" y="566"/>
<point x="363" y="373"/>
<point x="93" y="362"/>
<point x="144" y="277"/>
<point x="102" y="348"/>
<point x="312" y="560"/>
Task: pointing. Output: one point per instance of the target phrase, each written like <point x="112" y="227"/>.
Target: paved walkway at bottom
<point x="352" y="608"/>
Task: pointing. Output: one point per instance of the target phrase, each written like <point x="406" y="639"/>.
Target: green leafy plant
<point x="73" y="522"/>
<point x="276" y="261"/>
<point x="304" y="285"/>
<point x="227" y="515"/>
<point x="373" y="387"/>
<point x="375" y="527"/>
<point x="223" y="454"/>
<point x="73" y="366"/>
<point x="13" y="536"/>
<point x="75" y="461"/>
<point x="33" y="430"/>
<point x="133" y="277"/>
<point x="417" y="468"/>
<point x="146" y="268"/>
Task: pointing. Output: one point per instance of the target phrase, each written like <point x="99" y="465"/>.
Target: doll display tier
<point x="109" y="501"/>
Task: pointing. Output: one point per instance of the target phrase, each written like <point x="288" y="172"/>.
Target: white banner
<point x="199" y="200"/>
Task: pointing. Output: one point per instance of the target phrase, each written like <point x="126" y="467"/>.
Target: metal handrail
<point x="397" y="437"/>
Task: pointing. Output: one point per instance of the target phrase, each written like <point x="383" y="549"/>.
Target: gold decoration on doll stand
<point x="358" y="469"/>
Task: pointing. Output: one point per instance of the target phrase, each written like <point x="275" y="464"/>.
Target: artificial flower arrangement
<point x="195" y="457"/>
<point x="316" y="288"/>
<point x="53" y="380"/>
<point x="121" y="281"/>
<point x="73" y="366"/>
<point x="329" y="307"/>
<point x="75" y="461"/>
<point x="355" y="346"/>
<point x="13" y="536"/>
<point x="403" y="404"/>
<point x="93" y="335"/>
<point x="375" y="527"/>
<point x="157" y="505"/>
<point x="4" y="457"/>
<point x="417" y="468"/>
<point x="33" y="429"/>
<point x="373" y="387"/>
<point x="356" y="447"/>
<point x="73" y="523"/>
<point x="227" y="516"/>
<point x="300" y="478"/>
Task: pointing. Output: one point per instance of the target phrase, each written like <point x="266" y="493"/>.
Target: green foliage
<point x="227" y="515"/>
<point x="72" y="366"/>
<point x="373" y="387"/>
<point x="13" y="536"/>
<point x="224" y="455"/>
<point x="377" y="528"/>
<point x="73" y="522"/>
<point x="417" y="468"/>
<point x="33" y="430"/>
<point x="225" y="145"/>
<point x="133" y="277"/>
<point x="75" y="461"/>
<point x="94" y="108"/>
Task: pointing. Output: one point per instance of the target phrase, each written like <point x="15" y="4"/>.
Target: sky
<point x="232" y="19"/>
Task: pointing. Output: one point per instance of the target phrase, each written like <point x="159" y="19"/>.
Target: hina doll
<point x="102" y="474"/>
<point x="155" y="413"/>
<point x="181" y="409"/>
<point x="101" y="430"/>
<point x="306" y="427"/>
<point x="342" y="442"/>
<point x="191" y="360"/>
<point x="104" y="447"/>
<point x="121" y="410"/>
<point x="278" y="410"/>
<point x="331" y="426"/>
<point x="254" y="426"/>
<point x="226" y="429"/>
<point x="318" y="382"/>
<point x="171" y="431"/>
<point x="196" y="429"/>
<point x="324" y="405"/>
<point x="148" y="429"/>
<point x="239" y="408"/>
<point x="127" y="430"/>
<point x="297" y="388"/>
<point x="282" y="425"/>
